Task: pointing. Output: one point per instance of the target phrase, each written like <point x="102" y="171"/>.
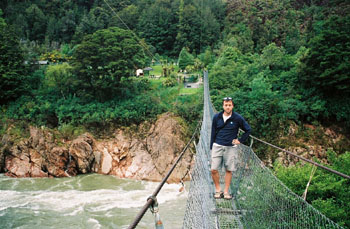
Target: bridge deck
<point x="227" y="215"/>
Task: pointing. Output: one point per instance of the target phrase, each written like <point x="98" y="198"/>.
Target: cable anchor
<point x="155" y="209"/>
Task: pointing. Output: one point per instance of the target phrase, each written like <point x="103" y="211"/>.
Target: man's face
<point x="228" y="106"/>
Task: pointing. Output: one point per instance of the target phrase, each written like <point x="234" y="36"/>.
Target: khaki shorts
<point x="224" y="155"/>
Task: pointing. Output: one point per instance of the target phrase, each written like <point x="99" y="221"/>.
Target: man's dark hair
<point x="226" y="99"/>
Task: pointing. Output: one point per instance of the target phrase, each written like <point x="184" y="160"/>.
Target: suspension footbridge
<point x="260" y="199"/>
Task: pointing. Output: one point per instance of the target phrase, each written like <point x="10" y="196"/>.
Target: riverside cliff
<point x="146" y="154"/>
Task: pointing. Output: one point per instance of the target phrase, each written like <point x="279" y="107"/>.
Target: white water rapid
<point x="85" y="201"/>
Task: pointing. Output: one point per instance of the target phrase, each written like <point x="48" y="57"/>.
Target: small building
<point x="147" y="70"/>
<point x="43" y="62"/>
<point x="139" y="72"/>
<point x="38" y="62"/>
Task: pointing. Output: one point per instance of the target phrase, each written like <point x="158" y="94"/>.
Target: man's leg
<point x="230" y="160"/>
<point x="216" y="163"/>
<point x="228" y="177"/>
<point x="216" y="179"/>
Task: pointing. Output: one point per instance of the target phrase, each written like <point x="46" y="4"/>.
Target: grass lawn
<point x="157" y="70"/>
<point x="186" y="91"/>
<point x="156" y="83"/>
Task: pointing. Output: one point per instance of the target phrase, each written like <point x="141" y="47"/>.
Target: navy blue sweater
<point x="223" y="134"/>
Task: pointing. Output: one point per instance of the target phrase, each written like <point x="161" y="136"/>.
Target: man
<point x="223" y="144"/>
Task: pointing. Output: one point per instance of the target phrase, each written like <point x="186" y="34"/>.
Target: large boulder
<point x="19" y="163"/>
<point x="56" y="162"/>
<point x="165" y="143"/>
<point x="81" y="151"/>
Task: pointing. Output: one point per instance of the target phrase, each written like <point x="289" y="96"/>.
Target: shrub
<point x="169" y="82"/>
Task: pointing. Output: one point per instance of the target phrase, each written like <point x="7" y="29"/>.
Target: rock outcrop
<point x="316" y="145"/>
<point x="145" y="154"/>
<point x="34" y="157"/>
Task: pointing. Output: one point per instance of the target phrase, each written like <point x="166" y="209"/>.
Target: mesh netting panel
<point x="260" y="199"/>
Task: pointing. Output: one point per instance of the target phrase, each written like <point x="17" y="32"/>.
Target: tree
<point x="2" y="21"/>
<point x="37" y="23"/>
<point x="275" y="60"/>
<point x="97" y="18"/>
<point x="259" y="105"/>
<point x="198" y="64"/>
<point x="257" y="23"/>
<point x="11" y="64"/>
<point x="209" y="28"/>
<point x="207" y="57"/>
<point x="241" y="37"/>
<point x="60" y="78"/>
<point x="67" y="26"/>
<point x="103" y="58"/>
<point x="185" y="59"/>
<point x="327" y="67"/>
<point x="158" y="25"/>
<point x="229" y="71"/>
<point x="129" y="16"/>
<point x="188" y="28"/>
<point x="198" y="25"/>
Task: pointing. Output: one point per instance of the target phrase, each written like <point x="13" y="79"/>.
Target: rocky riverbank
<point x="311" y="142"/>
<point x="145" y="154"/>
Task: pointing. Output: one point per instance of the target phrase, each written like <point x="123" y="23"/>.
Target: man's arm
<point x="246" y="128"/>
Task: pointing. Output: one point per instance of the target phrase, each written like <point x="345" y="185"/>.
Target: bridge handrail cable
<point x="301" y="158"/>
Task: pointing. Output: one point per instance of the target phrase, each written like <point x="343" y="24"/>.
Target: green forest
<point x="71" y="65"/>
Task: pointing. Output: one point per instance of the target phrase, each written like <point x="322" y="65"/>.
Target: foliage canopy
<point x="103" y="58"/>
<point x="327" y="65"/>
<point x="11" y="64"/>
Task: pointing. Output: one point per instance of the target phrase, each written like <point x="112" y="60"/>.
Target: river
<point x="85" y="201"/>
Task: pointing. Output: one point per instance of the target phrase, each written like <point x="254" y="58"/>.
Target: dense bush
<point x="44" y="110"/>
<point x="169" y="82"/>
<point x="329" y="193"/>
<point x="189" y="107"/>
<point x="12" y="70"/>
<point x="268" y="92"/>
<point x="59" y="79"/>
<point x="136" y="103"/>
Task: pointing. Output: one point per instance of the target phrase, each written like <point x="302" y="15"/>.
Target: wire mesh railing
<point x="260" y="199"/>
<point x="200" y="200"/>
